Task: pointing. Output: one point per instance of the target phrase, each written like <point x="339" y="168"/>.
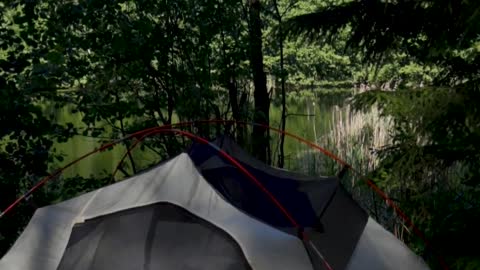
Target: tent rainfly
<point x="340" y="231"/>
<point x="196" y="211"/>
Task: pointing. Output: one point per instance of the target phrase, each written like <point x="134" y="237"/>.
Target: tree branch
<point x="299" y="114"/>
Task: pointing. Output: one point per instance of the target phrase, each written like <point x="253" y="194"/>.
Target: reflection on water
<point x="308" y="116"/>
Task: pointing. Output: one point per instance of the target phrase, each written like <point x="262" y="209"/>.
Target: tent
<point x="165" y="218"/>
<point x="181" y="215"/>
<point x="340" y="230"/>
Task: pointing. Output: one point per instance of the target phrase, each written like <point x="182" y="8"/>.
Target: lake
<point x="309" y="116"/>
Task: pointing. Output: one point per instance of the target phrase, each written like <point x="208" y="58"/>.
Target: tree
<point x="262" y="99"/>
<point x="141" y="64"/>
<point x="129" y="64"/>
<point x="434" y="159"/>
<point x="279" y="15"/>
<point x="30" y="73"/>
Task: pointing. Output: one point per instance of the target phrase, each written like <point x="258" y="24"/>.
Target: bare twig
<point x="299" y="114"/>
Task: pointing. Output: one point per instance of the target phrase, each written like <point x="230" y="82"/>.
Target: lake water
<point x="309" y="118"/>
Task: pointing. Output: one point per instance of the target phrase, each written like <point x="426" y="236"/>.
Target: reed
<point x="356" y="138"/>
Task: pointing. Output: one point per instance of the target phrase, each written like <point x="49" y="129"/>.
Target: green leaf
<point x="55" y="57"/>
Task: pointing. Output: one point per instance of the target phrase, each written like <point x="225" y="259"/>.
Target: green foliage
<point x="304" y="63"/>
<point x="431" y="166"/>
<point x="26" y="136"/>
<point x="122" y="66"/>
<point x="379" y="26"/>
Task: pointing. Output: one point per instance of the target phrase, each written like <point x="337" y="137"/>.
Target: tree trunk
<point x="281" y="158"/>
<point x="233" y="95"/>
<point x="262" y="102"/>
<point x="283" y="123"/>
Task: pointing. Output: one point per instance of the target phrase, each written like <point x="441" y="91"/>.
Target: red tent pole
<point x="369" y="182"/>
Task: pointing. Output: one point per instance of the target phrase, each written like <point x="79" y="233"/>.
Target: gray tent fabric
<point x="170" y="217"/>
<point x="159" y="236"/>
<point x="353" y="241"/>
<point x="378" y="249"/>
<point x="348" y="239"/>
<point x="343" y="223"/>
<point x="45" y="241"/>
<point x="331" y="217"/>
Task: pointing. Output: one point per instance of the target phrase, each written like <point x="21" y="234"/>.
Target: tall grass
<point x="354" y="137"/>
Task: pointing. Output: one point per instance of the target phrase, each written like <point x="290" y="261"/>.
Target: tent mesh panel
<point x="158" y="236"/>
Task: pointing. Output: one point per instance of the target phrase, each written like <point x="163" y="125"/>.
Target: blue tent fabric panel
<point x="304" y="200"/>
